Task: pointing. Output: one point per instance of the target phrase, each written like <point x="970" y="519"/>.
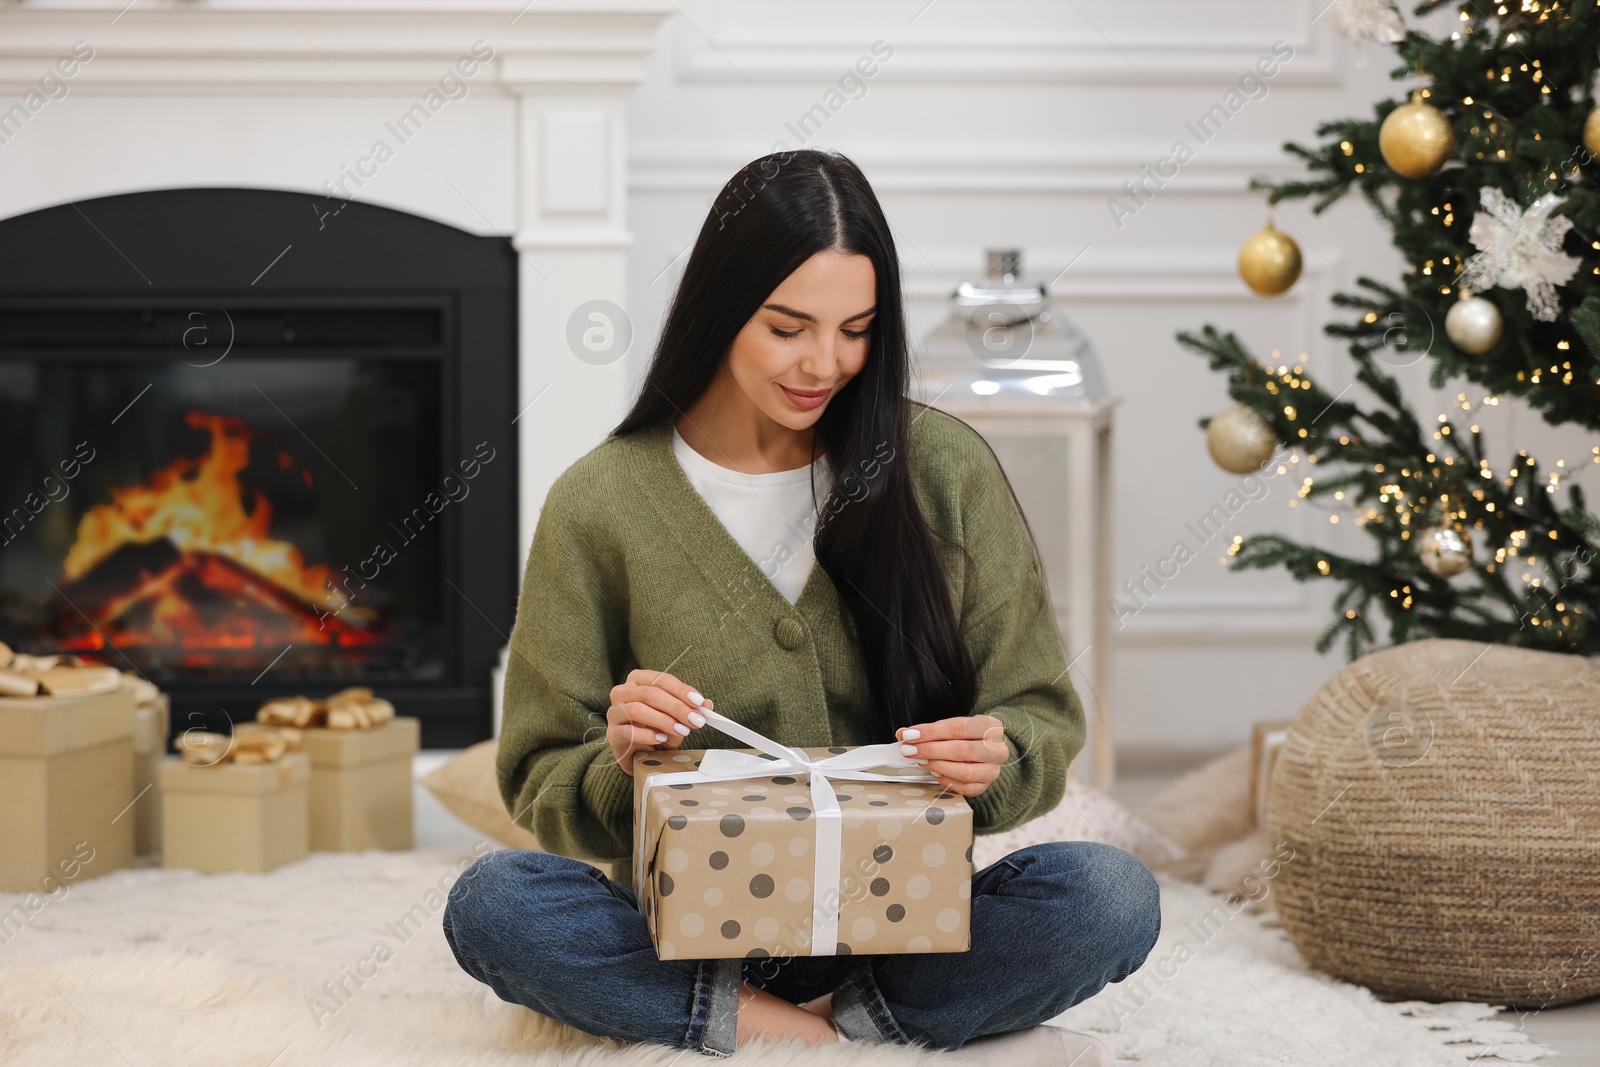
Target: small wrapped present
<point x="66" y="784"/>
<point x="234" y="816"/>
<point x="361" y="785"/>
<point x="798" y="852"/>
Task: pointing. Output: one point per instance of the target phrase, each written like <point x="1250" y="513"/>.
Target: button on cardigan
<point x="629" y="567"/>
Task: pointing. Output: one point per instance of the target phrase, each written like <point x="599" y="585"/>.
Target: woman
<point x="775" y="525"/>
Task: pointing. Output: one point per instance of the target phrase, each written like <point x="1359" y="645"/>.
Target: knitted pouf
<point x="1442" y="799"/>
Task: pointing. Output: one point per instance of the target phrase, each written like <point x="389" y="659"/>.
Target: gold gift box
<point x="66" y="783"/>
<point x="729" y="864"/>
<point x="235" y="816"/>
<point x="361" y="785"/>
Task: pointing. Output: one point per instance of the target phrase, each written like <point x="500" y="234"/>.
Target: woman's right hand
<point x="651" y="710"/>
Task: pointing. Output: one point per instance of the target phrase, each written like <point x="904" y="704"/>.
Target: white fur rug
<point x="178" y="969"/>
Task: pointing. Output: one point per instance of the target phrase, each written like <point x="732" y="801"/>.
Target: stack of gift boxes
<point x="86" y="784"/>
<point x="332" y="775"/>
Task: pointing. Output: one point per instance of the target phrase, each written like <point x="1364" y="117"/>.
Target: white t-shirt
<point x="771" y="516"/>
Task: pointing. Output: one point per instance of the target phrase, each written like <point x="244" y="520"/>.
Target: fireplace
<point x="256" y="443"/>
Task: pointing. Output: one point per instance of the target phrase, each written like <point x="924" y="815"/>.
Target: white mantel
<point x="289" y="94"/>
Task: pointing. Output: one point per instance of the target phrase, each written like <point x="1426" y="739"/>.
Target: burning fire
<point x="221" y="580"/>
<point x="199" y="504"/>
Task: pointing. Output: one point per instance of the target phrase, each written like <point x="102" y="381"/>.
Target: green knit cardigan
<point x="630" y="567"/>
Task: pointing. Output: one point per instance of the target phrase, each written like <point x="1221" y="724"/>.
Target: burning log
<point x="158" y="594"/>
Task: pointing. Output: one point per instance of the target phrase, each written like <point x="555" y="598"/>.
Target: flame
<point x="199" y="505"/>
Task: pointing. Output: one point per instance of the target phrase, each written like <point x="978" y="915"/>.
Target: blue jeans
<point x="1051" y="925"/>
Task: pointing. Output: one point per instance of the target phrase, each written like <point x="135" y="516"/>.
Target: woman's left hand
<point x="964" y="753"/>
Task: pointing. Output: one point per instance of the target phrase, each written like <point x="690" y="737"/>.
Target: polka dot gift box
<point x="733" y="859"/>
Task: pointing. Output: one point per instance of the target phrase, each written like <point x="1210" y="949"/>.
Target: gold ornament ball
<point x="1240" y="441"/>
<point x="1445" y="551"/>
<point x="1473" y="324"/>
<point x="1269" y="262"/>
<point x="1415" y="139"/>
<point x="1591" y="132"/>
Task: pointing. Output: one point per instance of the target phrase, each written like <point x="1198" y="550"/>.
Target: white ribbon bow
<point x="722" y="765"/>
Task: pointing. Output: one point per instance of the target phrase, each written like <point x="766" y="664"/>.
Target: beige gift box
<point x="729" y="865"/>
<point x="66" y="783"/>
<point x="149" y="749"/>
<point x="235" y="816"/>
<point x="361" y="785"/>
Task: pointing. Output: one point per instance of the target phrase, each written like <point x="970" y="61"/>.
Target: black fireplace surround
<point x="256" y="443"/>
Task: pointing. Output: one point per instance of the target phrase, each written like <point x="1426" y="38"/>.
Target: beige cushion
<point x="1203" y="812"/>
<point x="467" y="787"/>
<point x="1084" y="814"/>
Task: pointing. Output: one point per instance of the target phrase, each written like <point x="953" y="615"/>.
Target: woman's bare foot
<point x="763" y="1015"/>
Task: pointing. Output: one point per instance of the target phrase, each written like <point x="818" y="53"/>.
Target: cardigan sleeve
<point x="568" y="647"/>
<point x="1010" y="630"/>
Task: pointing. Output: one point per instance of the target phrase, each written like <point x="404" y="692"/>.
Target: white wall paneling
<point x="575" y="160"/>
<point x="965" y="167"/>
<point x="1026" y="41"/>
<point x="575" y="244"/>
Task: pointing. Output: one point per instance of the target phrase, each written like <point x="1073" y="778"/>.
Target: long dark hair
<point x="769" y="219"/>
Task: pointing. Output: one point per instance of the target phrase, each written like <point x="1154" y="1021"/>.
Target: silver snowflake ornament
<point x="1520" y="249"/>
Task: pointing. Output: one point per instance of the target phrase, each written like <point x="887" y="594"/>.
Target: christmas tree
<point x="1487" y="178"/>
